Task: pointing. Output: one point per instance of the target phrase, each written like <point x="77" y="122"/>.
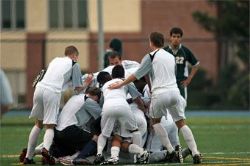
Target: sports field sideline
<point x="222" y="137"/>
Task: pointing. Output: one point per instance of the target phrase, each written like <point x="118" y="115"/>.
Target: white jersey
<point x="116" y="109"/>
<point x="67" y="116"/>
<point x="129" y="66"/>
<point x="58" y="74"/>
<point x="118" y="94"/>
<point x="161" y="71"/>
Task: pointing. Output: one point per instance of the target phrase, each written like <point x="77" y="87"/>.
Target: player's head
<point x="176" y="30"/>
<point x="114" y="58"/>
<point x="72" y="52"/>
<point x="103" y="77"/>
<point x="156" y="40"/>
<point x="175" y="36"/>
<point x="116" y="45"/>
<point x="118" y="72"/>
<point x="94" y="93"/>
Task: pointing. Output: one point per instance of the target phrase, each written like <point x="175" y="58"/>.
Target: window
<point x="12" y="16"/>
<point x="65" y="14"/>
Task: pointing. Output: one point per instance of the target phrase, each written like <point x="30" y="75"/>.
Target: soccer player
<point x="47" y="96"/>
<point x="160" y="66"/>
<point x="115" y="109"/>
<point x="73" y="128"/>
<point x="114" y="45"/>
<point x="6" y="98"/>
<point x="183" y="56"/>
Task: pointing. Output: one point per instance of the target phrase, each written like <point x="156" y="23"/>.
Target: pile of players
<point x="129" y="107"/>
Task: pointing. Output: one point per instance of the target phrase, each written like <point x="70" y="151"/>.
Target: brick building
<point x="35" y="31"/>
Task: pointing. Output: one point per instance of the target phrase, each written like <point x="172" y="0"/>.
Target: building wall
<point x="129" y="20"/>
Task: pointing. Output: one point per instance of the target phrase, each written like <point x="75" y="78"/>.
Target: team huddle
<point x="126" y="113"/>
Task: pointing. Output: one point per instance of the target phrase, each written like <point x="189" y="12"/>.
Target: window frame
<point x="13" y="16"/>
<point x="61" y="19"/>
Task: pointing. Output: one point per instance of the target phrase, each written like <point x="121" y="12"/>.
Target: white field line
<point x="210" y="153"/>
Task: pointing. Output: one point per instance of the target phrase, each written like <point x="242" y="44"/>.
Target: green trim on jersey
<point x="182" y="56"/>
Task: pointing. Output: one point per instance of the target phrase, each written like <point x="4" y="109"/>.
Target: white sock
<point x="173" y="135"/>
<point x="48" y="138"/>
<point x="137" y="138"/>
<point x="189" y="138"/>
<point x="163" y="135"/>
<point x="115" y="150"/>
<point x="101" y="142"/>
<point x="39" y="148"/>
<point x="135" y="149"/>
<point x="34" y="133"/>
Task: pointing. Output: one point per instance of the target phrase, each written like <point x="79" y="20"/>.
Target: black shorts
<point x="69" y="140"/>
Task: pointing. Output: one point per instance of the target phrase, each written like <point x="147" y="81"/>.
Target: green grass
<point x="222" y="140"/>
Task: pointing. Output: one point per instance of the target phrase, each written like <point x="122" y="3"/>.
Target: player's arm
<point x="195" y="66"/>
<point x="136" y="96"/>
<point x="92" y="107"/>
<point x="77" y="82"/>
<point x="145" y="67"/>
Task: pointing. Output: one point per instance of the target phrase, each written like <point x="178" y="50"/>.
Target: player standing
<point x="47" y="96"/>
<point x="160" y="66"/>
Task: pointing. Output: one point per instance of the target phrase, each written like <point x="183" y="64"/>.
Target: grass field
<point x="223" y="139"/>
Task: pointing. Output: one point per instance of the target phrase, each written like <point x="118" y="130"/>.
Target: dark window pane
<point x="20" y="17"/>
<point x="6" y="22"/>
<point x="68" y="22"/>
<point x="82" y="13"/>
<point x="54" y="16"/>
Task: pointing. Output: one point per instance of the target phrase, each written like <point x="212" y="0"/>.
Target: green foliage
<point x="232" y="20"/>
<point x="230" y="25"/>
<point x="239" y="93"/>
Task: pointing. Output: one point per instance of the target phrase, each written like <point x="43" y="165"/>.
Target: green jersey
<point x="183" y="56"/>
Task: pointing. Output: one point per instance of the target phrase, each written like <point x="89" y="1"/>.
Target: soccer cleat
<point x="80" y="161"/>
<point x="22" y="155"/>
<point x="47" y="157"/>
<point x="178" y="150"/>
<point x="28" y="161"/>
<point x="111" y="161"/>
<point x="186" y="152"/>
<point x="66" y="162"/>
<point x="172" y="157"/>
<point x="143" y="158"/>
<point x="197" y="159"/>
<point x="99" y="159"/>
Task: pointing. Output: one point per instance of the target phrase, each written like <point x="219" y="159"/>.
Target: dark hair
<point x="118" y="72"/>
<point x="94" y="91"/>
<point x="176" y="30"/>
<point x="157" y="39"/>
<point x="103" y="77"/>
<point x="71" y="50"/>
<point x="114" y="54"/>
<point x="116" y="45"/>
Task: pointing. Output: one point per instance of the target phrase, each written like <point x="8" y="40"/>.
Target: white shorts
<point x="46" y="105"/>
<point x="141" y="123"/>
<point x="171" y="100"/>
<point x="117" y="111"/>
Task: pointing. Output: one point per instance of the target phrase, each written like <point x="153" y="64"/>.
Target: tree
<point x="231" y="28"/>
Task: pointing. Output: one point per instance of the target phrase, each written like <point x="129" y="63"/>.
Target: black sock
<point x="89" y="149"/>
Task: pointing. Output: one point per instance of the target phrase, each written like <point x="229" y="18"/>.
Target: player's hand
<point x="186" y="82"/>
<point x="89" y="79"/>
<point x="115" y="85"/>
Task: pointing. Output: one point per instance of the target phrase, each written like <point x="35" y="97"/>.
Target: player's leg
<point x="33" y="137"/>
<point x="51" y="110"/>
<point x="115" y="150"/>
<point x="158" y="108"/>
<point x="36" y="112"/>
<point x="178" y="115"/>
<point x="107" y="125"/>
